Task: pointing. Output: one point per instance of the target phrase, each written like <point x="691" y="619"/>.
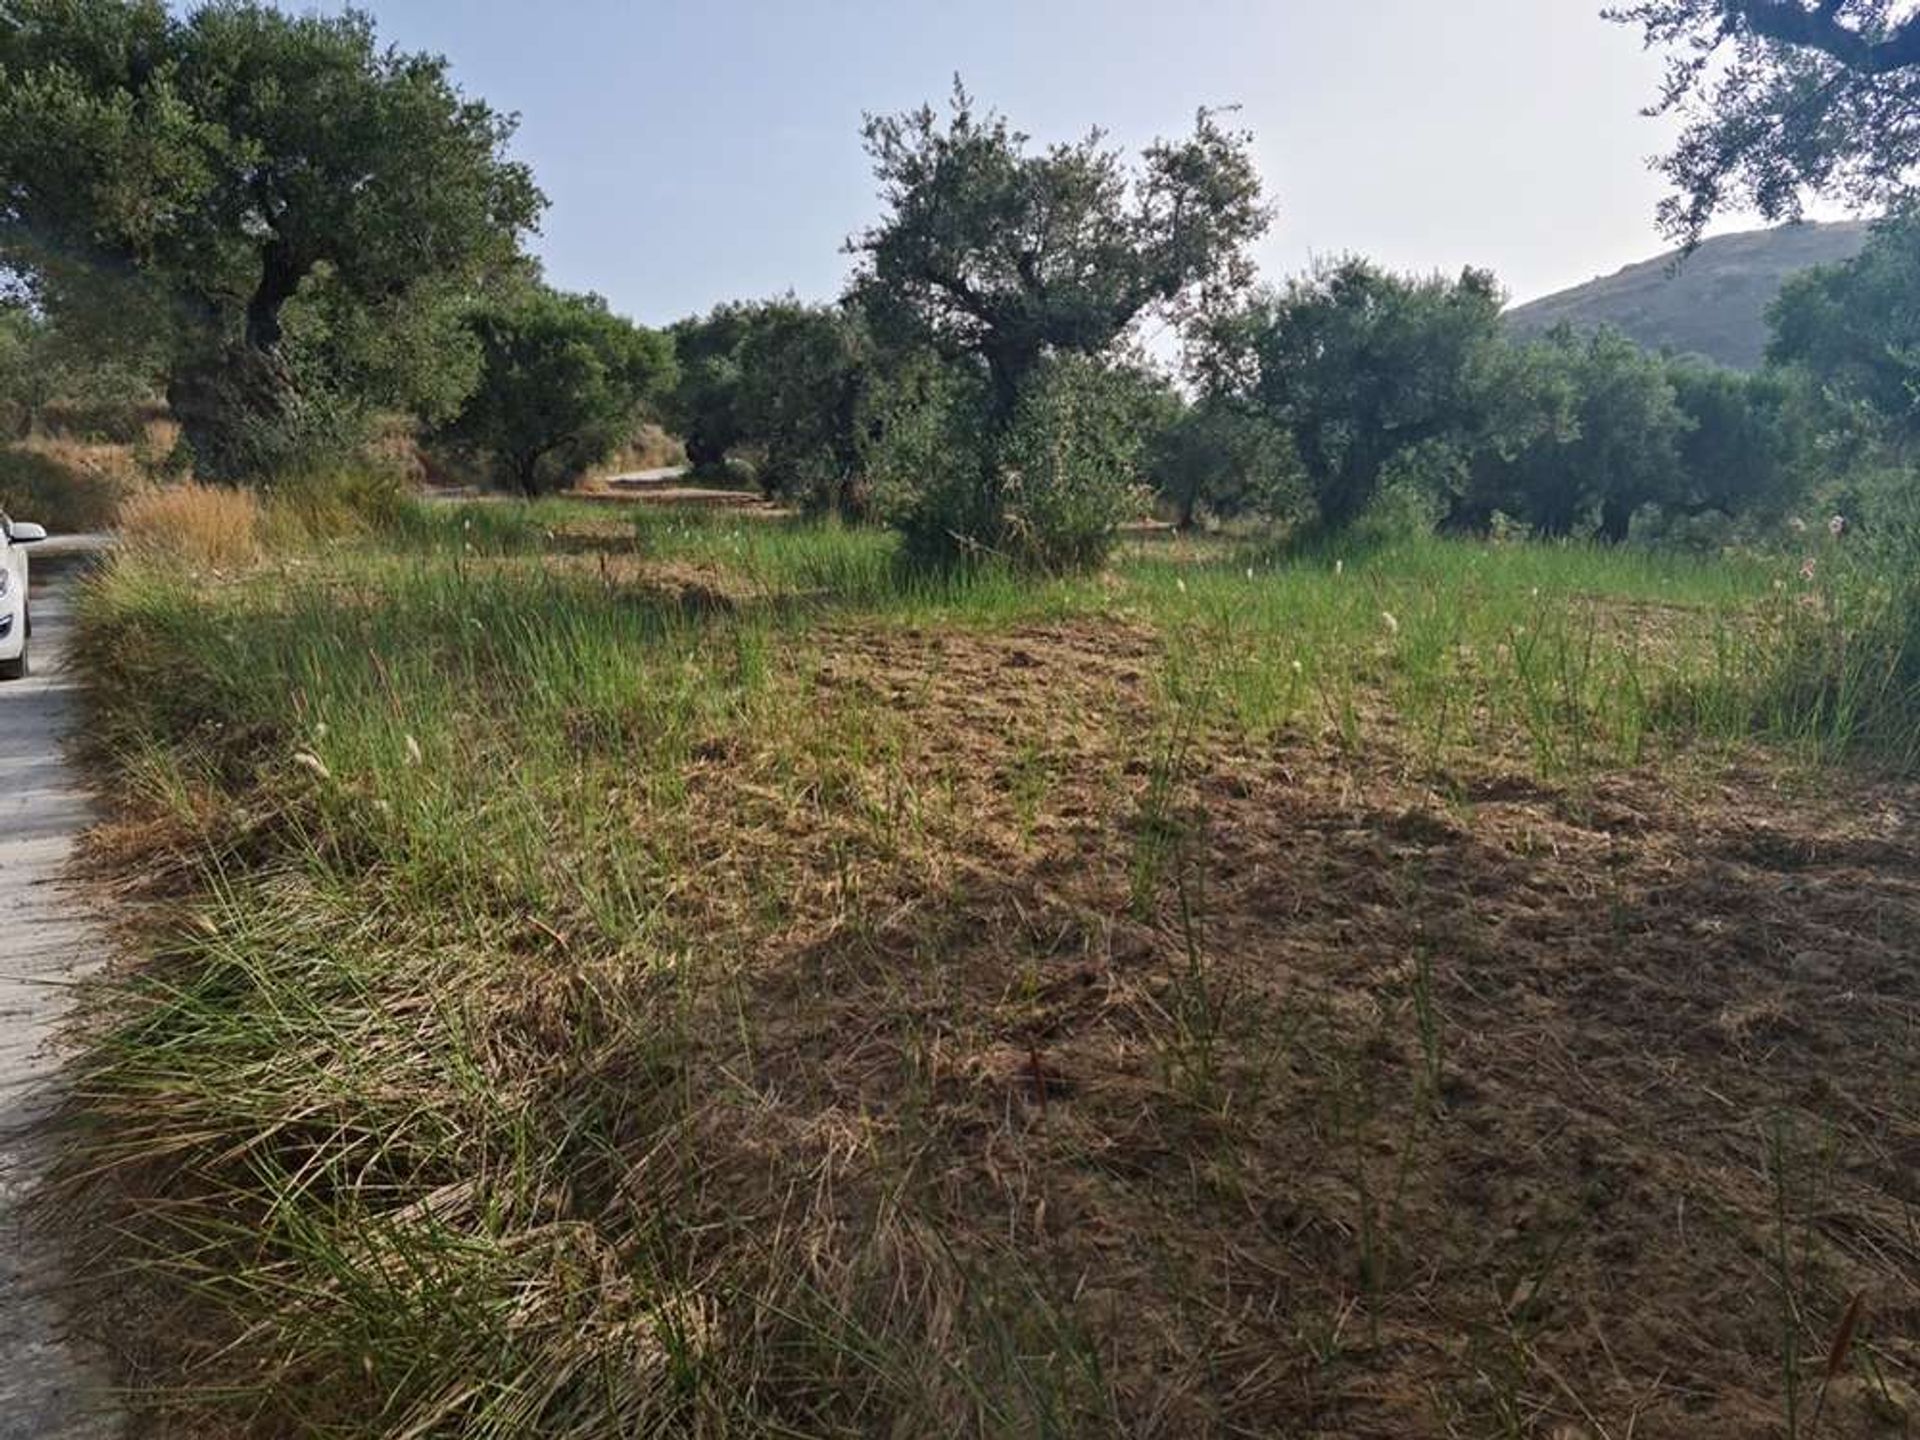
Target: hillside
<point x="1714" y="304"/>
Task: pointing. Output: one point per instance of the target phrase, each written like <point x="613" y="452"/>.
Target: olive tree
<point x="1363" y="369"/>
<point x="201" y="168"/>
<point x="703" y="408"/>
<point x="1782" y="99"/>
<point x="806" y="382"/>
<point x="1589" y="432"/>
<point x="1010" y="260"/>
<point x="563" y="381"/>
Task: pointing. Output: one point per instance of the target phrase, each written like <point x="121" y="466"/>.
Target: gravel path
<point x="50" y="1388"/>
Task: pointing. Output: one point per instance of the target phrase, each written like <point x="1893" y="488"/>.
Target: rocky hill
<point x="1713" y="303"/>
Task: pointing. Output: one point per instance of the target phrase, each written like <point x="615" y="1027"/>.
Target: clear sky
<point x="702" y="150"/>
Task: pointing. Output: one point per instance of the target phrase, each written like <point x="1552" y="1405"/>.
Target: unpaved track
<point x="50" y="1388"/>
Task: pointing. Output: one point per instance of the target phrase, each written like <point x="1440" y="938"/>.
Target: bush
<point x="1048" y="495"/>
<point x="241" y="421"/>
<point x="205" y="526"/>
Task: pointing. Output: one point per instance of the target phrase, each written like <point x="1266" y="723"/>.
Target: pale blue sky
<point x="696" y="152"/>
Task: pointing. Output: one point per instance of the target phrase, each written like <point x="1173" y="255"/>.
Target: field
<point x="598" y="975"/>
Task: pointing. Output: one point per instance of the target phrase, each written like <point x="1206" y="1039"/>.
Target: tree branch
<point x="1790" y="23"/>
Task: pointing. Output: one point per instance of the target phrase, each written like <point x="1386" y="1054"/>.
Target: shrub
<point x="1049" y="494"/>
<point x="205" y="526"/>
<point x="1069" y="468"/>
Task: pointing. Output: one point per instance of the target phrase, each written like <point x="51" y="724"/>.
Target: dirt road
<point x="50" y="1387"/>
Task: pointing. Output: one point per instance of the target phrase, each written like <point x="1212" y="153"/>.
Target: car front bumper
<point x="13" y="627"/>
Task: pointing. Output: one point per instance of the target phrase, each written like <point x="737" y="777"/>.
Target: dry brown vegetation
<point x="212" y="526"/>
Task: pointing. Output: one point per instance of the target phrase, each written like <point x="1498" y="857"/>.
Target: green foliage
<point x="703" y="406"/>
<point x="191" y="174"/>
<point x="1855" y="328"/>
<point x="1602" y="443"/>
<point x="1782" y="98"/>
<point x="1225" y="459"/>
<point x="1068" y="466"/>
<point x="806" y="376"/>
<point x="563" y="381"/>
<point x="1047" y="493"/>
<point x="1024" y="272"/>
<point x="48" y="380"/>
<point x="1362" y="368"/>
<point x="1003" y="256"/>
<point x="1747" y="448"/>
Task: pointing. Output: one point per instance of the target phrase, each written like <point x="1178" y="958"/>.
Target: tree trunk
<point x="234" y="399"/>
<point x="1467" y="517"/>
<point x="280" y="277"/>
<point x="1616" y="520"/>
<point x="1347" y="498"/>
<point x="1189" y="502"/>
<point x="1008" y="367"/>
<point x="232" y="403"/>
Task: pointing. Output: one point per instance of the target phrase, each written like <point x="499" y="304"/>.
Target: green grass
<point x="436" y="1105"/>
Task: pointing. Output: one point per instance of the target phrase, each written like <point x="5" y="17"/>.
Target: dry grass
<point x="584" y="996"/>
<point x="210" y="527"/>
<point x="67" y="485"/>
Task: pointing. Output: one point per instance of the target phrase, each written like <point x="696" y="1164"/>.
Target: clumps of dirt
<point x="1311" y="1097"/>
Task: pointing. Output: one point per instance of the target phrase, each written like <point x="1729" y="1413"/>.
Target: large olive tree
<point x="1027" y="270"/>
<point x="201" y="168"/>
<point x="1007" y="255"/>
<point x="563" y="381"/>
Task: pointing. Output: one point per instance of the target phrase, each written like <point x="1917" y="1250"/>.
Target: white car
<point x="16" y="620"/>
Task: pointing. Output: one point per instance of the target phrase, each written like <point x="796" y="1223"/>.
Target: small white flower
<point x="1298" y="668"/>
<point x="1837" y="526"/>
<point x="1797" y="525"/>
<point x="1180" y="585"/>
<point x="1387" y="619"/>
<point x="413" y="751"/>
<point x="1339" y="567"/>
<point x="1249" y="572"/>
<point x="306" y="759"/>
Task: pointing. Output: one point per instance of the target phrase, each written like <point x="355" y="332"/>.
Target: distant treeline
<point x="181" y="221"/>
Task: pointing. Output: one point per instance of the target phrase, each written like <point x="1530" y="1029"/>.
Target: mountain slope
<point x="1714" y="304"/>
